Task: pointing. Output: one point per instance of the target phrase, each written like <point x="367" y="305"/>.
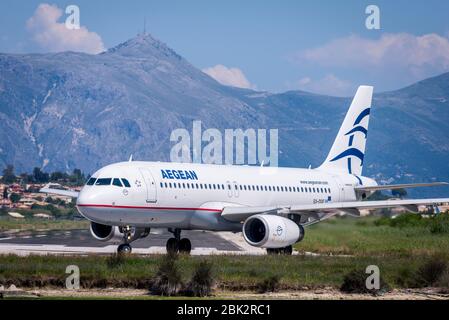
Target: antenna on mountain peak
<point x="144" y="25"/>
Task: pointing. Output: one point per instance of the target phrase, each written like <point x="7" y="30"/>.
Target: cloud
<point x="229" y="76"/>
<point x="329" y="85"/>
<point x="53" y="36"/>
<point x="415" y="56"/>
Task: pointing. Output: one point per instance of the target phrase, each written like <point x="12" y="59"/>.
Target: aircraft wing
<point x="61" y="192"/>
<point x="400" y="186"/>
<point x="312" y="213"/>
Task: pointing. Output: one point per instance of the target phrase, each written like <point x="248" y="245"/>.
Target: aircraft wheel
<point x="185" y="246"/>
<point x="272" y="251"/>
<point x="124" y="248"/>
<point x="287" y="250"/>
<point x="172" y="245"/>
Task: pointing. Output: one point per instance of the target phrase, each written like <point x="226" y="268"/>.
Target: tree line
<point x="76" y="178"/>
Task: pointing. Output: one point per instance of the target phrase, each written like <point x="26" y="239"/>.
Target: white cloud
<point x="415" y="56"/>
<point x="329" y="85"/>
<point x="229" y="76"/>
<point x="53" y="36"/>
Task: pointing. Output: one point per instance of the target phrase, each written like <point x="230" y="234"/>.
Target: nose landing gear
<point x="178" y="245"/>
<point x="125" y="248"/>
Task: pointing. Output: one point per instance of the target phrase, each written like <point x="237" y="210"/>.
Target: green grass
<point x="365" y="237"/>
<point x="399" y="249"/>
<point x="231" y="272"/>
<point x="9" y="223"/>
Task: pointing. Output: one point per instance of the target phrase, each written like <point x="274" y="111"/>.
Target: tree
<point x="58" y="176"/>
<point x="14" y="197"/>
<point x="26" y="178"/>
<point x="8" y="174"/>
<point x="77" y="177"/>
<point x="39" y="176"/>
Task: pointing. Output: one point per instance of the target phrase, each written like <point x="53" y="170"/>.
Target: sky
<point x="318" y="46"/>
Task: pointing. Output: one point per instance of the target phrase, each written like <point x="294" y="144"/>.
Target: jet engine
<point x="271" y="231"/>
<point x="114" y="233"/>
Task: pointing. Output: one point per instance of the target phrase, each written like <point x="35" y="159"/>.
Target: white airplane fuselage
<point x="192" y="196"/>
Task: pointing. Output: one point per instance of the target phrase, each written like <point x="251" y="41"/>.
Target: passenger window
<point x="103" y="182"/>
<point x="91" y="181"/>
<point x="162" y="185"/>
<point x="126" y="183"/>
<point x="116" y="182"/>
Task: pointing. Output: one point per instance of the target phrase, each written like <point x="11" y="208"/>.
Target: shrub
<point x="439" y="224"/>
<point x="202" y="280"/>
<point x="270" y="284"/>
<point x="407" y="220"/>
<point x="431" y="272"/>
<point x="167" y="281"/>
<point x="355" y="282"/>
<point x="406" y="277"/>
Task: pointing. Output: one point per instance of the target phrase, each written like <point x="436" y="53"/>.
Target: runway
<point x="81" y="242"/>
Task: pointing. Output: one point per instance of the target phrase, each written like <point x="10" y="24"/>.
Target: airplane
<point x="271" y="206"/>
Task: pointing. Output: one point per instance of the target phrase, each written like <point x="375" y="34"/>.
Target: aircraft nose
<point x="83" y="200"/>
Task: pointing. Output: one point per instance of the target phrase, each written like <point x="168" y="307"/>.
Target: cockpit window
<point x="126" y="183"/>
<point x="116" y="182"/>
<point x="91" y="181"/>
<point x="103" y="182"/>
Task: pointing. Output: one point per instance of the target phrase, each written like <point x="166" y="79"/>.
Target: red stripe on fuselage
<point x="147" y="208"/>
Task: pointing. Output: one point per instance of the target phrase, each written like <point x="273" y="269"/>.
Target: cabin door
<point x="150" y="184"/>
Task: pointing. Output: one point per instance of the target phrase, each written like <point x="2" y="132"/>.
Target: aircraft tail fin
<point x="348" y="151"/>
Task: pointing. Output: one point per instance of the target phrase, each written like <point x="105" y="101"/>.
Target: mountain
<point x="66" y="110"/>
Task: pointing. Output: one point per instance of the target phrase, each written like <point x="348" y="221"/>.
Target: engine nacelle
<point x="113" y="233"/>
<point x="271" y="231"/>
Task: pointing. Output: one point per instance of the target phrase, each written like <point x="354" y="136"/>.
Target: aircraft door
<point x="341" y="188"/>
<point x="151" y="195"/>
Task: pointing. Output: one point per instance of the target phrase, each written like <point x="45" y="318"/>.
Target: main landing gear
<point x="286" y="250"/>
<point x="178" y="245"/>
<point x="125" y="248"/>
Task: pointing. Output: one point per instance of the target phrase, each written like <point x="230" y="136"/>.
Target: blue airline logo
<point x="351" y="151"/>
<point x="179" y="174"/>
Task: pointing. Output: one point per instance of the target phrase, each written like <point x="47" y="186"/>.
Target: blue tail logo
<point x="351" y="151"/>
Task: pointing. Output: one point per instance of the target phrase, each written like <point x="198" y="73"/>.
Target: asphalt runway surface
<point x="82" y="242"/>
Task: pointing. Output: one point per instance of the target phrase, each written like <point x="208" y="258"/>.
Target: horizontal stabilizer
<point x="400" y="186"/>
